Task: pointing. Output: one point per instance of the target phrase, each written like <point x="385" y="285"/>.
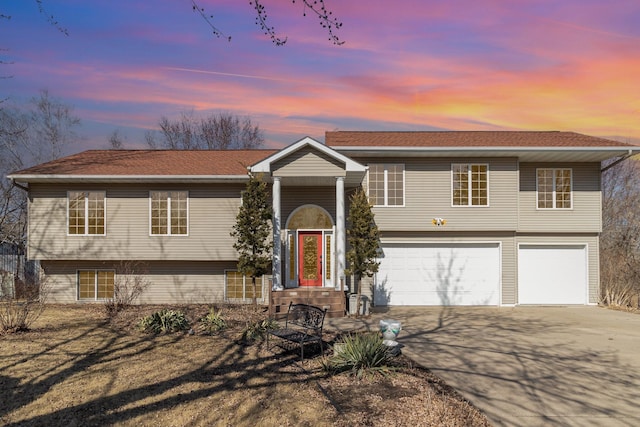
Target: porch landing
<point x="334" y="301"/>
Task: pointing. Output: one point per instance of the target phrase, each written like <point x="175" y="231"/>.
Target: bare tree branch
<point x="50" y="18"/>
<point x="326" y="20"/>
<point x="208" y="20"/>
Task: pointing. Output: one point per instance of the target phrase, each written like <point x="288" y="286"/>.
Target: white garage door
<point x="551" y="274"/>
<point x="438" y="274"/>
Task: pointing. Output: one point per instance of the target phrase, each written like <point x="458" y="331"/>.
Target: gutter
<point x="55" y="178"/>
<point x="618" y="160"/>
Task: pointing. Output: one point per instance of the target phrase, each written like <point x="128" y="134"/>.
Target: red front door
<point x="310" y="258"/>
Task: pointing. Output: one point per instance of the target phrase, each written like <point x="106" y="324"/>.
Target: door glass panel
<point x="292" y="256"/>
<point x="310" y="270"/>
<point x="327" y="256"/>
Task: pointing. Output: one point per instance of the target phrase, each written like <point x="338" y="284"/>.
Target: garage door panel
<point x="552" y="274"/>
<point x="445" y="274"/>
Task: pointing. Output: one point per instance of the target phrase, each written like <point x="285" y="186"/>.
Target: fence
<point x="14" y="262"/>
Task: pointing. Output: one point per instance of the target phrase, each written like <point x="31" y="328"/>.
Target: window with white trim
<point x="169" y="213"/>
<point x="86" y="213"/>
<point x="386" y="184"/>
<point x="470" y="184"/>
<point x="554" y="187"/>
<point x="95" y="285"/>
<point x="239" y="287"/>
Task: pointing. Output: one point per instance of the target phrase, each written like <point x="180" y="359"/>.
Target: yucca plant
<point x="258" y="330"/>
<point x="213" y="321"/>
<point x="359" y="354"/>
<point x="164" y="321"/>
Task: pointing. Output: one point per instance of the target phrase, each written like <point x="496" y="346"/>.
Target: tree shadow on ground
<point x="513" y="354"/>
<point x="97" y="349"/>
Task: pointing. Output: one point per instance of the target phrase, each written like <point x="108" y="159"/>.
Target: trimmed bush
<point x="213" y="321"/>
<point x="164" y="321"/>
<point x="359" y="354"/>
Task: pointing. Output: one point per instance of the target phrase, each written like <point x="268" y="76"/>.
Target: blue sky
<point x="414" y="65"/>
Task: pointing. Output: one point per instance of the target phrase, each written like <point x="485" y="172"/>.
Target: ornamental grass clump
<point x="359" y="355"/>
<point x="213" y="322"/>
<point x="164" y="321"/>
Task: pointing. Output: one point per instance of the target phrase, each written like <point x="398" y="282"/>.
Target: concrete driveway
<point x="531" y="366"/>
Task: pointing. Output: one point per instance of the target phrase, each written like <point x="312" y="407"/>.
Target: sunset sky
<point x="405" y="65"/>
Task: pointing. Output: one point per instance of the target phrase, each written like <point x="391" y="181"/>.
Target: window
<point x="386" y="184"/>
<point x="554" y="188"/>
<point x="240" y="287"/>
<point x="169" y="212"/>
<point x="95" y="284"/>
<point x="86" y="212"/>
<point x="470" y="185"/>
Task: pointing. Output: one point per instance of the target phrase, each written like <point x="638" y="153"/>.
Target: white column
<point x="340" y="231"/>
<point x="277" y="245"/>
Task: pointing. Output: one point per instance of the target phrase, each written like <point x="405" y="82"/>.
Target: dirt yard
<point x="75" y="368"/>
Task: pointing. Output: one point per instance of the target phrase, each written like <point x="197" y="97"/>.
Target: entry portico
<point x="309" y="185"/>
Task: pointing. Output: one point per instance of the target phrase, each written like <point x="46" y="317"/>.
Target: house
<point x="466" y="218"/>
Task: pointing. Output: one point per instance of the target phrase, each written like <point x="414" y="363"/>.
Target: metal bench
<point x="303" y="325"/>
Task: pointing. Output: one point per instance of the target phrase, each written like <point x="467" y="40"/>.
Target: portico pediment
<point x="309" y="162"/>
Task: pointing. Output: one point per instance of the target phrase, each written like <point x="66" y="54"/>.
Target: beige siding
<point x="507" y="250"/>
<point x="585" y="216"/>
<point x="212" y="213"/>
<point x="168" y="282"/>
<point x="428" y="195"/>
<point x="308" y="162"/>
<point x="593" y="257"/>
<point x="294" y="197"/>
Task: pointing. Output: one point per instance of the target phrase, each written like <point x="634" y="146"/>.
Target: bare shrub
<point x="20" y="303"/>
<point x="620" y="238"/>
<point x="129" y="284"/>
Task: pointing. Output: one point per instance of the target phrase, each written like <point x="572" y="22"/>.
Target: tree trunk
<point x="356" y="281"/>
<point x="255" y="300"/>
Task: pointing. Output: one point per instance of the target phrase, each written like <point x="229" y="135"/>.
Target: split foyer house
<point x="466" y="218"/>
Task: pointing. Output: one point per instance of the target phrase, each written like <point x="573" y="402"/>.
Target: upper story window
<point x="470" y="184"/>
<point x="386" y="184"/>
<point x="169" y="212"/>
<point x="554" y="188"/>
<point x="86" y="212"/>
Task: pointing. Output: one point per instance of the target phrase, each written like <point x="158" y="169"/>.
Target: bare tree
<point x="29" y="136"/>
<point x="620" y="238"/>
<point x="53" y="124"/>
<point x="223" y="131"/>
<point x="16" y="150"/>
<point x="116" y="141"/>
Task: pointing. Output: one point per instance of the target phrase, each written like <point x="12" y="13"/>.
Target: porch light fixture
<point x="438" y="222"/>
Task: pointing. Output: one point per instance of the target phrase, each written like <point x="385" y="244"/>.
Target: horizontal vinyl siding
<point x="294" y="197"/>
<point x="428" y="195"/>
<point x="507" y="249"/>
<point x="212" y="213"/>
<point x="168" y="282"/>
<point x="308" y="162"/>
<point x="586" y="213"/>
<point x="593" y="250"/>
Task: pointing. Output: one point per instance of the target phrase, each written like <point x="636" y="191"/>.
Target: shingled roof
<point x="506" y="139"/>
<point x="151" y="162"/>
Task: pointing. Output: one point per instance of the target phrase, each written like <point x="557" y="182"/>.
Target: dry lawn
<point x="77" y="369"/>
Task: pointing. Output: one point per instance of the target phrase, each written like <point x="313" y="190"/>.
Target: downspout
<point x="20" y="186"/>
<point x="620" y="159"/>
